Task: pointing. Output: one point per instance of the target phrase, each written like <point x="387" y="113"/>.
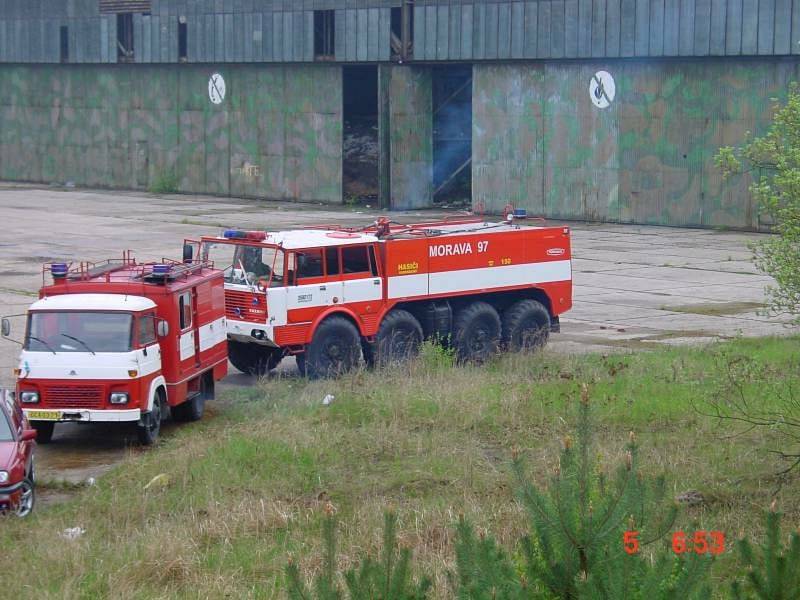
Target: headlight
<point x="118" y="398"/>
<point x="29" y="397"/>
<point x="3" y="476"/>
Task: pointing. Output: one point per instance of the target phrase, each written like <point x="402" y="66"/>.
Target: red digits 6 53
<point x="701" y="542"/>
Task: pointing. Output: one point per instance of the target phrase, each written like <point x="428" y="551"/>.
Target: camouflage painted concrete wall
<point x="277" y="134"/>
<point x="540" y="143"/>
<point x="411" y="137"/>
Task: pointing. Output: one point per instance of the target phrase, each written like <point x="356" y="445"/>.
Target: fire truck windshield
<point x="73" y="331"/>
<point x="245" y="264"/>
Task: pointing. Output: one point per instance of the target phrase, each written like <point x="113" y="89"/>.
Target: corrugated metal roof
<point x="124" y="6"/>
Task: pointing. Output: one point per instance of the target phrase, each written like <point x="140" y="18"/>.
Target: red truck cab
<point x="123" y="342"/>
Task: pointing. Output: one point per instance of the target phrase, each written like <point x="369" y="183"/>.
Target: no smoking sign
<point x="602" y="89"/>
<point x="216" y="88"/>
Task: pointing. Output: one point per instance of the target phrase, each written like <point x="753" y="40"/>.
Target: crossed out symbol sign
<point x="602" y="89"/>
<point x="216" y="88"/>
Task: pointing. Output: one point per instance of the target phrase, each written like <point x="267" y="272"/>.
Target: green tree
<point x="389" y="579"/>
<point x="773" y="572"/>
<point x="774" y="161"/>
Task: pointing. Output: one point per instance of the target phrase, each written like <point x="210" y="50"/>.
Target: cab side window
<point x="147" y="330"/>
<point x="332" y="262"/>
<point x="309" y="264"/>
<point x="355" y="259"/>
<point x="185" y="310"/>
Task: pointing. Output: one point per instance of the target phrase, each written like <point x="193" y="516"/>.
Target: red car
<point x="17" y="441"/>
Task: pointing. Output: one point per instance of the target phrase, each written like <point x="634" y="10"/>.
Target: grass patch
<point x="246" y="489"/>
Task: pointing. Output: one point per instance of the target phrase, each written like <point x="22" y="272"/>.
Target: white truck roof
<point x="92" y="302"/>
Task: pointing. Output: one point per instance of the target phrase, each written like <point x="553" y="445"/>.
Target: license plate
<point x="44" y="415"/>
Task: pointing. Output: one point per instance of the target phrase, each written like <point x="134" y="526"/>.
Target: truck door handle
<point x="322" y="288"/>
<point x="376" y="281"/>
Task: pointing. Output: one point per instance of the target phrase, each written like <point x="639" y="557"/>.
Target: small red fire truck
<point x="122" y="341"/>
<point x="331" y="295"/>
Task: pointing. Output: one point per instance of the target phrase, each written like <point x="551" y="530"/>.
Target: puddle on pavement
<point x="716" y="309"/>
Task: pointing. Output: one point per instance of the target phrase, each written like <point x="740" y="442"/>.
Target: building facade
<point x="607" y="110"/>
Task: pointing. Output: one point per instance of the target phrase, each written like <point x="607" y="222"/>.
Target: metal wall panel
<point x="718" y="20"/>
<point x="540" y="143"/>
<point x="275" y="136"/>
<point x="411" y="137"/>
<point x="557" y="22"/>
<point x="543" y="33"/>
<point x="599" y="28"/>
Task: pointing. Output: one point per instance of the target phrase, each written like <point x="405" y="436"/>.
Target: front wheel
<point x="44" y="431"/>
<point x="335" y="349"/>
<point x="27" y="499"/>
<point x="150" y="427"/>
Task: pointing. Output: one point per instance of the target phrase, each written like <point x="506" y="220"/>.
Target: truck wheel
<point x="194" y="408"/>
<point x="476" y="332"/>
<point x="526" y="326"/>
<point x="334" y="350"/>
<point x="398" y="339"/>
<point x="44" y="431"/>
<point x="253" y="359"/>
<point x="151" y="422"/>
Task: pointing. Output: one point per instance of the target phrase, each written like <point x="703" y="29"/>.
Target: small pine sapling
<point x="773" y="571"/>
<point x="587" y="535"/>
<point x="389" y="579"/>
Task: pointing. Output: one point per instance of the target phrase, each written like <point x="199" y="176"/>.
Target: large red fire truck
<point x="122" y="341"/>
<point x="331" y="295"/>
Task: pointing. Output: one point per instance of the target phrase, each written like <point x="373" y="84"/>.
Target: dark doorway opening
<point x="183" y="40"/>
<point x="324" y="34"/>
<point x="63" y="39"/>
<point x="402" y="32"/>
<point x="360" y="150"/>
<point x="452" y="135"/>
<point x="125" y="37"/>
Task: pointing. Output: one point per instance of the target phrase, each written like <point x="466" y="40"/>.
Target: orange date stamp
<point x="700" y="542"/>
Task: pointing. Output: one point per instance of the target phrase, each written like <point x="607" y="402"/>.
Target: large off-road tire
<point x="526" y="326"/>
<point x="193" y="409"/>
<point x="476" y="332"/>
<point x="253" y="359"/>
<point x="150" y="428"/>
<point x="44" y="431"/>
<point x="335" y="349"/>
<point x="398" y="340"/>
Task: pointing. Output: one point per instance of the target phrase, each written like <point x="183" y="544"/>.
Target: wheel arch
<point x="159" y="383"/>
<point x="335" y="312"/>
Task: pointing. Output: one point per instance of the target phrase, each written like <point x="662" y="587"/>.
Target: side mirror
<point x="188" y="253"/>
<point x="162" y="328"/>
<point x="6" y="327"/>
<point x="28" y="435"/>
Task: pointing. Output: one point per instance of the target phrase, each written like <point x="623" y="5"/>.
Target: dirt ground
<point x="634" y="286"/>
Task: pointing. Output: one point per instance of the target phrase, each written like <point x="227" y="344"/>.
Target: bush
<point x="775" y="161"/>
<point x="166" y="182"/>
